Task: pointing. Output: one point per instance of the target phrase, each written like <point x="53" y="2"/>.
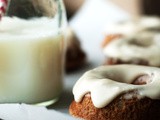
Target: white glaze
<point x="124" y="49"/>
<point x="131" y="27"/>
<point x="108" y="82"/>
<point x="142" y="32"/>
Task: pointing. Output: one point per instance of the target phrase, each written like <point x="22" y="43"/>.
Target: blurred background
<point x="88" y="20"/>
<point x="134" y="7"/>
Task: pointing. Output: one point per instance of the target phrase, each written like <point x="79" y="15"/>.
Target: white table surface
<point x="89" y="24"/>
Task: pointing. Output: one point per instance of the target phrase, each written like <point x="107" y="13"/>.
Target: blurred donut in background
<point x="75" y="56"/>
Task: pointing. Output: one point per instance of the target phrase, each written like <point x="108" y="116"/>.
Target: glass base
<point x="47" y="103"/>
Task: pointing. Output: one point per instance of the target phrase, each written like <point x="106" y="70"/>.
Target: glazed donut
<point x="118" y="92"/>
<point x="141" y="49"/>
<point x="139" y="44"/>
<point x="75" y="56"/>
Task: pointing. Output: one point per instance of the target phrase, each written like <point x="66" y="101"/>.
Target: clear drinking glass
<point x="32" y="51"/>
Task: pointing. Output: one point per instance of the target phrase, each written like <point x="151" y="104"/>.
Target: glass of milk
<point x="32" y="55"/>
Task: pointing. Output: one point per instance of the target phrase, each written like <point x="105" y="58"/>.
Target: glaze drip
<point x="108" y="82"/>
<point x="144" y="46"/>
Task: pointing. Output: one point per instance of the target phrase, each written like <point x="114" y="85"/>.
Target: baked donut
<point x="136" y="43"/>
<point x="75" y="56"/>
<point x="118" y="92"/>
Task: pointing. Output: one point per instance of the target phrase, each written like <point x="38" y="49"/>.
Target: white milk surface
<point x="30" y="60"/>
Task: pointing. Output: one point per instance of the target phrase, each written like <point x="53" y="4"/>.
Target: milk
<point x="31" y="60"/>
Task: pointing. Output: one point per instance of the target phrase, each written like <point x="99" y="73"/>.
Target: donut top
<point x="108" y="82"/>
<point x="141" y="46"/>
<point x="134" y="26"/>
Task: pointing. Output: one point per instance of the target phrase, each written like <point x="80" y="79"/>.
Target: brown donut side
<point x="75" y="56"/>
<point x="114" y="61"/>
<point x="75" y="59"/>
<point x="119" y="109"/>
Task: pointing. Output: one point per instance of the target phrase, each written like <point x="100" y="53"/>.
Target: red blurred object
<point x="3" y="7"/>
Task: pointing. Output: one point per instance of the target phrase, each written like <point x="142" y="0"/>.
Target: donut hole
<point x="144" y="39"/>
<point x="88" y="95"/>
<point x="142" y="80"/>
<point x="153" y="29"/>
<point x="141" y="42"/>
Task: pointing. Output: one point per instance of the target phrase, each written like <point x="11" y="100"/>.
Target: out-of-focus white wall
<point x="91" y="21"/>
